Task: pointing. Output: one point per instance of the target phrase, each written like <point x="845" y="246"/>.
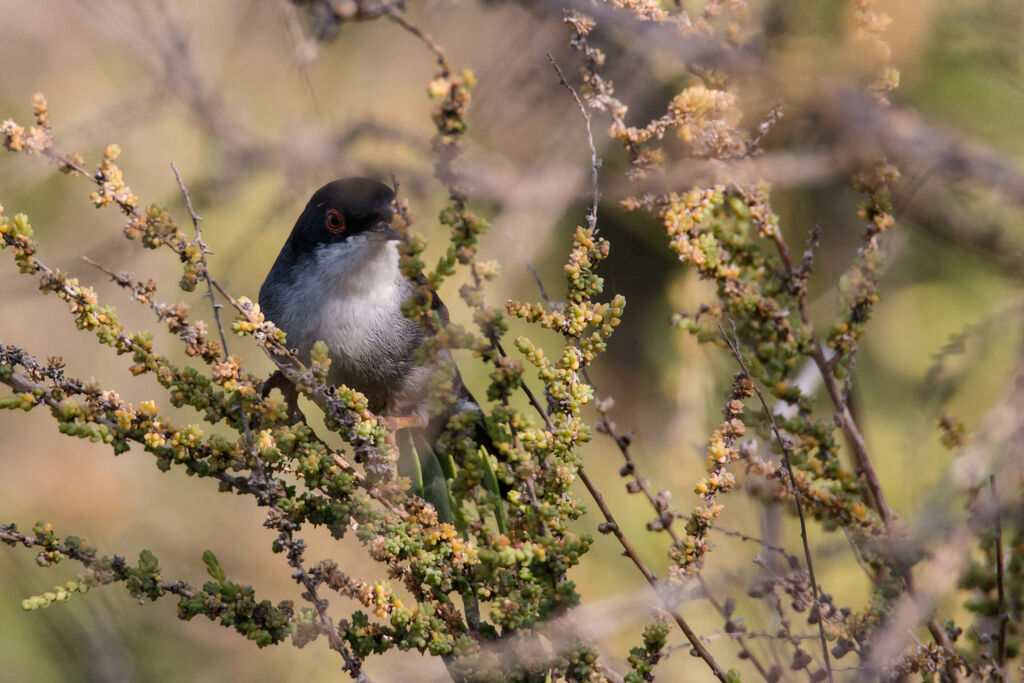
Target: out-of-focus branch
<point x="203" y="251"/>
<point x="159" y="41"/>
<point x="868" y="130"/>
<point x="328" y="15"/>
<point x="783" y="168"/>
<point x="940" y="574"/>
<point x="934" y="214"/>
<point x="394" y="15"/>
<point x="856" y="125"/>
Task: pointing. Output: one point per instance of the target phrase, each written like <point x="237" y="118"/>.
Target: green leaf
<point x="213" y="566"/>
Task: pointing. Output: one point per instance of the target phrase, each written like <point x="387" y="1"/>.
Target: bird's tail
<point x="433" y="467"/>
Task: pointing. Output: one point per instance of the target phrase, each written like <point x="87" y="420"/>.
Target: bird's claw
<point x="291" y="394"/>
<point x="394" y="423"/>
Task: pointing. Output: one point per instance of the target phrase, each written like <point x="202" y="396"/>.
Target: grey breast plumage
<point x="349" y="295"/>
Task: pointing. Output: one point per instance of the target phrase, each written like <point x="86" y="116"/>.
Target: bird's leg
<point x="291" y="394"/>
<point x="394" y="423"/>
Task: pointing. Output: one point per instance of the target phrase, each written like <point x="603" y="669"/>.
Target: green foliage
<point x="643" y="659"/>
<point x="486" y="586"/>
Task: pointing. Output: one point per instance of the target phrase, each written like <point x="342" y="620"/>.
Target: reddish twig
<point x="630" y="552"/>
<point x="854" y="437"/>
<point x="606" y="426"/>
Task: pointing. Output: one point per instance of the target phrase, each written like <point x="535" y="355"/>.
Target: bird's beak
<point x="383" y="231"/>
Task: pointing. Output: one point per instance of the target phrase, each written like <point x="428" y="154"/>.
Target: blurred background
<point x="257" y="115"/>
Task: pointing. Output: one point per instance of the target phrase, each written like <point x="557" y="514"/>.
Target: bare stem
<point x="606" y="426"/>
<point x="630" y="552"/>
<point x="595" y="162"/>
<point x="394" y="15"/>
<point x="611" y="524"/>
<point x="652" y="579"/>
<point x="853" y="434"/>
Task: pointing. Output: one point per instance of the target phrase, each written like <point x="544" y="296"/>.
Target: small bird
<point x="337" y="280"/>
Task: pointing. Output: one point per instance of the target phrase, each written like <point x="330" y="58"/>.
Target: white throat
<point x="357" y="267"/>
<point x="352" y="296"/>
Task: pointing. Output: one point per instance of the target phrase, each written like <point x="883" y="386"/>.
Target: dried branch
<point x="394" y="15"/>
<point x="843" y="415"/>
<point x="611" y="526"/>
<point x="785" y="449"/>
<point x="666" y="517"/>
<point x="933" y="214"/>
<point x="846" y="420"/>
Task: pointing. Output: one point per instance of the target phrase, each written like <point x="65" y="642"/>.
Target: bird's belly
<point x="355" y="327"/>
<point x="367" y="342"/>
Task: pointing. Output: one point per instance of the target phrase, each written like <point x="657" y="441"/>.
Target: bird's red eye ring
<point x="335" y="222"/>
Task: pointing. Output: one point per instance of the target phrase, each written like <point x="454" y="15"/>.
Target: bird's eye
<point x="335" y="221"/>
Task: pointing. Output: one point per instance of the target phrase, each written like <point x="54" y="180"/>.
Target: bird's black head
<point x="342" y="209"/>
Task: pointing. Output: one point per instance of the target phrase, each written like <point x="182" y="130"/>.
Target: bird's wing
<point x="465" y="398"/>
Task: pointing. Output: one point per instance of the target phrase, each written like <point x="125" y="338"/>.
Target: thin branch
<point x="203" y="251"/>
<point x="595" y="162"/>
<point x="283" y="357"/>
<point x="784" y="447"/>
<point x="630" y="552"/>
<point x="610" y="523"/>
<point x="855" y="439"/>
<point x="532" y="270"/>
<point x="296" y="546"/>
<point x="304" y="50"/>
<point x="754" y="539"/>
<point x="23" y="385"/>
<point x="940" y="215"/>
<point x="1004" y="617"/>
<point x="10" y="535"/>
<point x="394" y="15"/>
<point x="606" y="426"/>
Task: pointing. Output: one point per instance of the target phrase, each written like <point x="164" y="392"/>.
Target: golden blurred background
<point x="256" y="116"/>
